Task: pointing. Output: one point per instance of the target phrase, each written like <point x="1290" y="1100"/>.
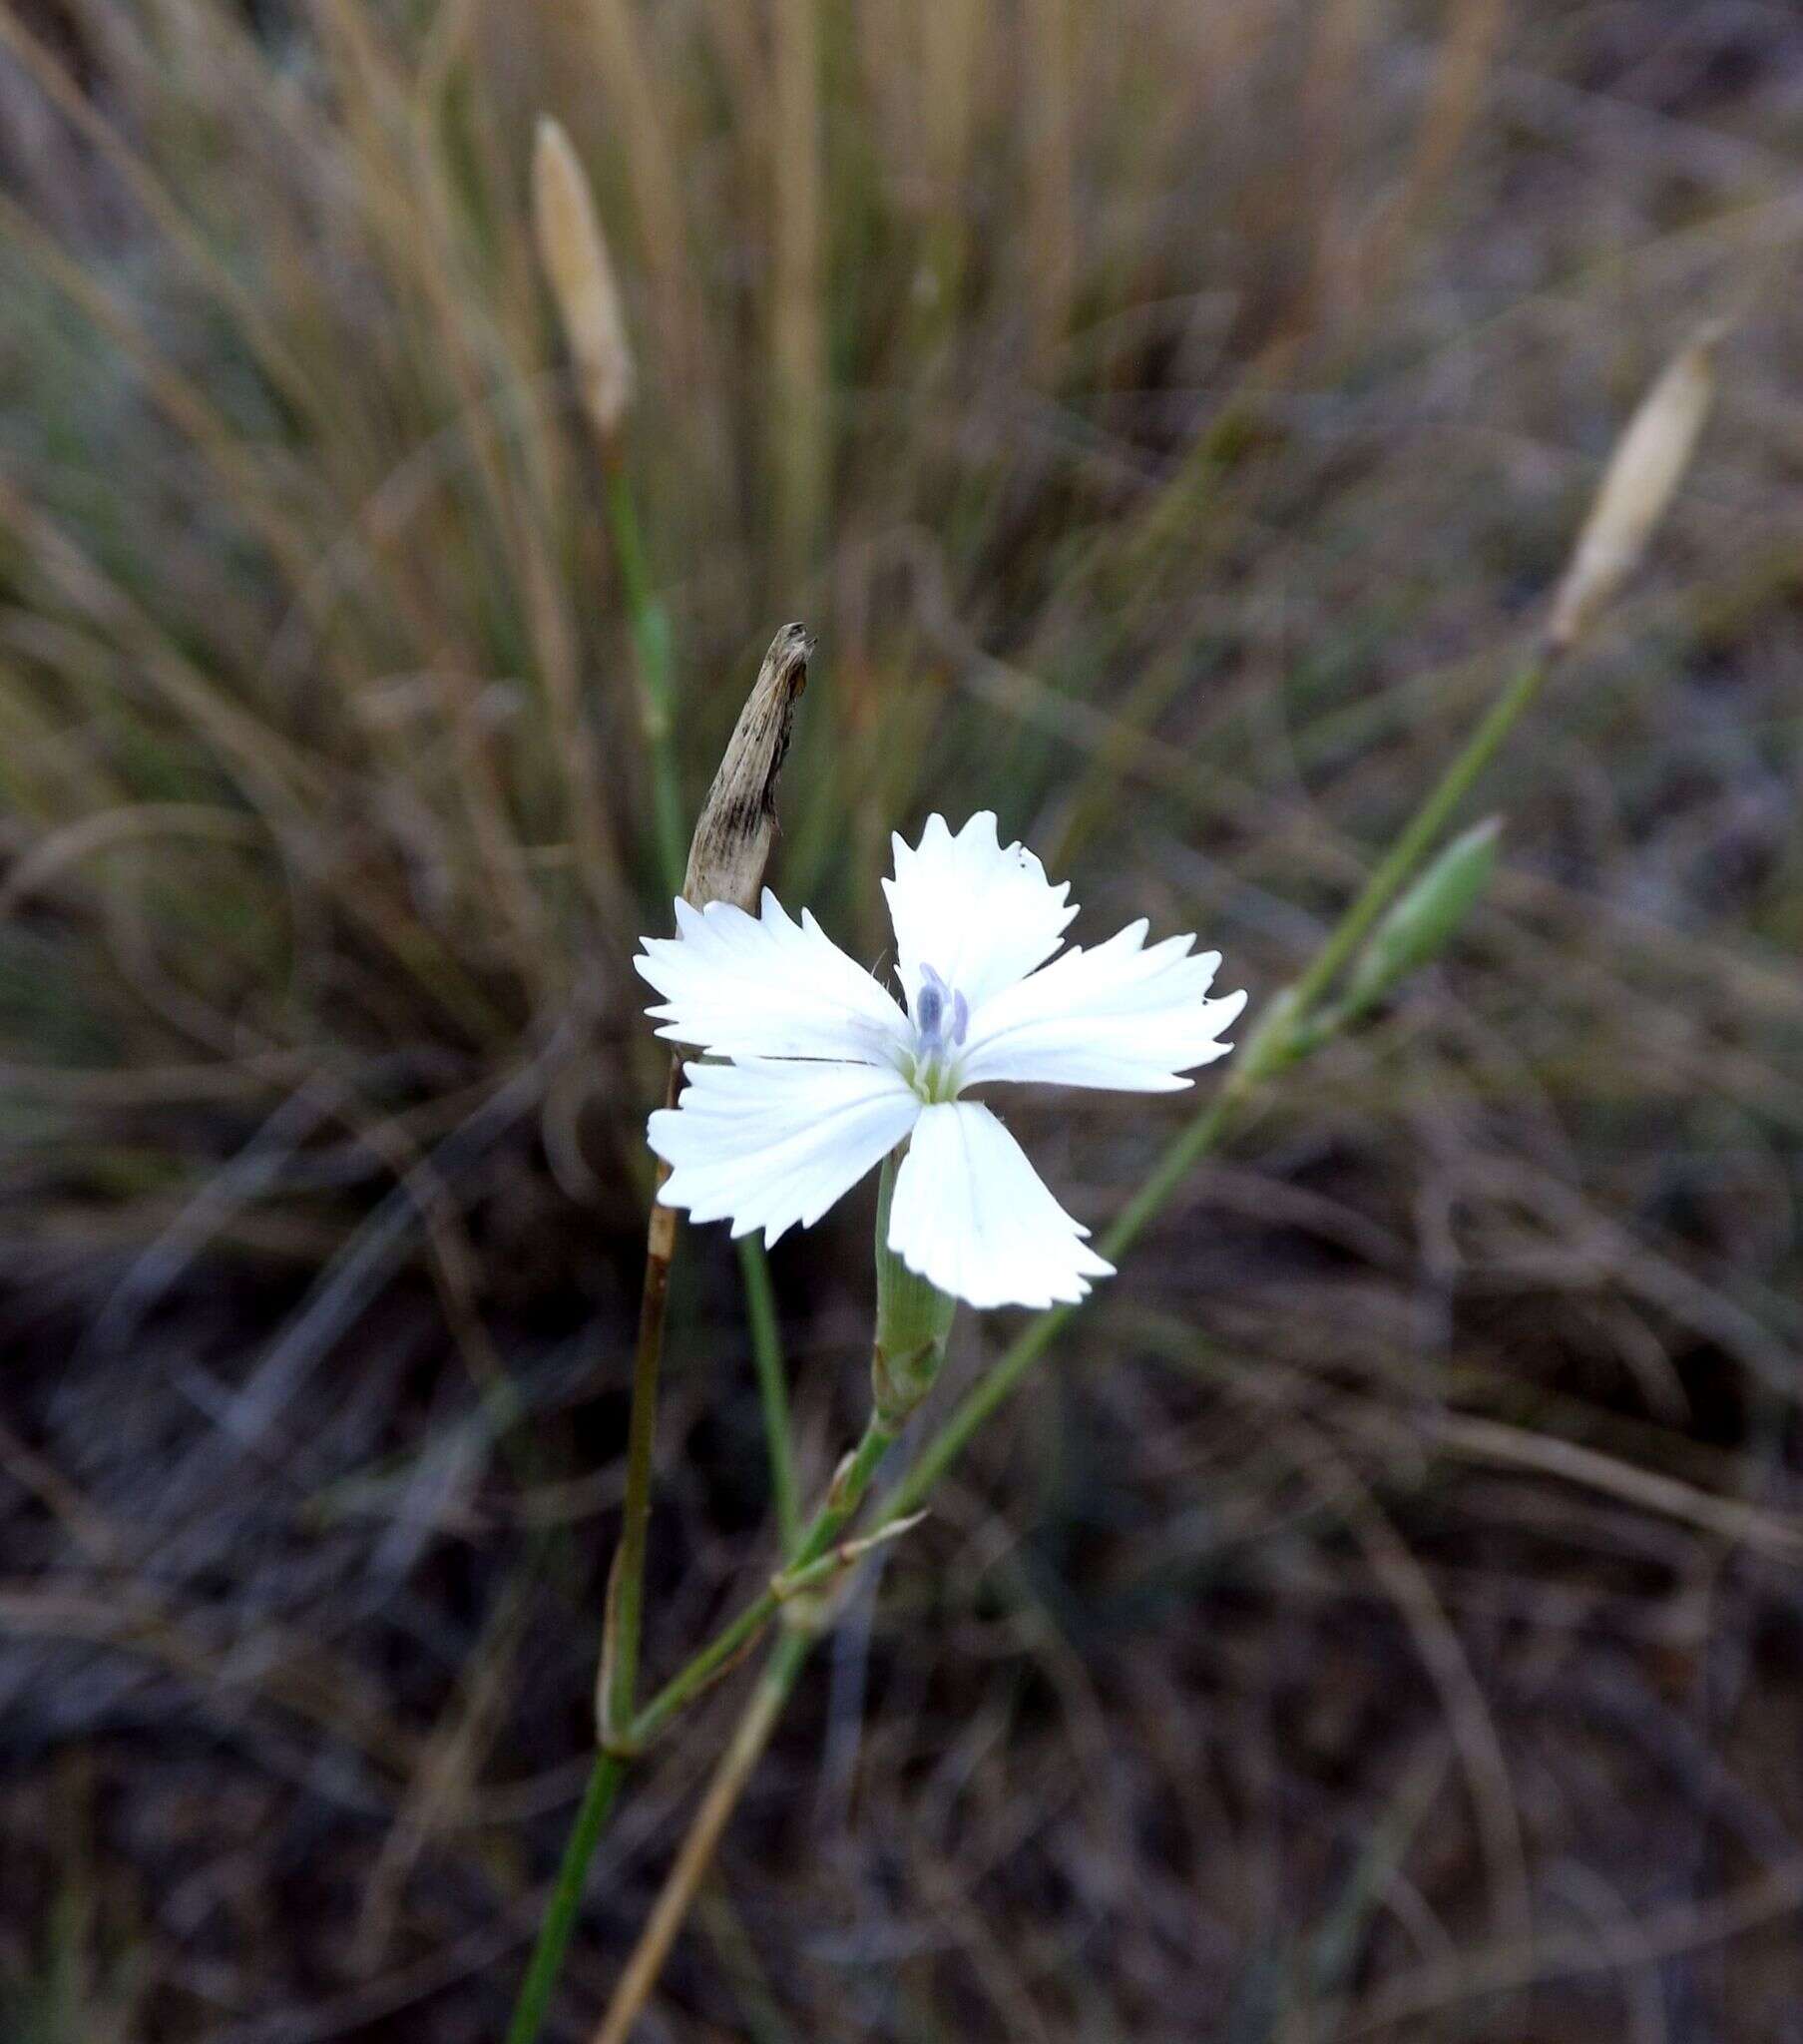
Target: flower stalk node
<point x="808" y="1593"/>
<point x="899" y="1381"/>
<point x="839" y="1492"/>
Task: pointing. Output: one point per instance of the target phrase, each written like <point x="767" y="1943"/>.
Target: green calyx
<point x="913" y="1320"/>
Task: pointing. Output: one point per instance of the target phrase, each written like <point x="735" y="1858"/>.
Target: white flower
<point x="828" y="1073"/>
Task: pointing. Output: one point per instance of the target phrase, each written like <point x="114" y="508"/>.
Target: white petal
<point x="1119" y="1016"/>
<point x="974" y="1217"/>
<point x="769" y="1143"/>
<point x="752" y="986"/>
<point x="980" y="914"/>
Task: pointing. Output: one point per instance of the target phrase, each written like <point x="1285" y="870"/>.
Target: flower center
<point x="941" y="1017"/>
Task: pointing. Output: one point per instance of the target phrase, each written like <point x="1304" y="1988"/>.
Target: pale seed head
<point x="1645" y="471"/>
<point x="575" y="255"/>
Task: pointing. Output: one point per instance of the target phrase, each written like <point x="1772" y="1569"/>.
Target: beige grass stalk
<point x="800" y="443"/>
<point x="1645" y="470"/>
<point x="1049" y="30"/>
<point x="743" y="1750"/>
<point x="610" y="38"/>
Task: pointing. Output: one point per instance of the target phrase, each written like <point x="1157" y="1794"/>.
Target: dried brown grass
<point x="1160" y="417"/>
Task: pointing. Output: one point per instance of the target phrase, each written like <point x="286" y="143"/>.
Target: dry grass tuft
<point x="1385" y="1619"/>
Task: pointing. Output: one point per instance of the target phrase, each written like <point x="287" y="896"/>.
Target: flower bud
<point x="575" y="255"/>
<point x="731" y="842"/>
<point x="1426" y="918"/>
<point x="1649" y="462"/>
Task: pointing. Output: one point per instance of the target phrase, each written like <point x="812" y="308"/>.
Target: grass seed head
<point x="575" y="255"/>
<point x="1643" y="473"/>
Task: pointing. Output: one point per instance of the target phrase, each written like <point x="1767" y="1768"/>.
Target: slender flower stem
<point x="1417" y="835"/>
<point x="997" y="1383"/>
<point x="566" y="1900"/>
<point x="913" y="1320"/>
<point x="773" y="1387"/>
<point x="650" y="624"/>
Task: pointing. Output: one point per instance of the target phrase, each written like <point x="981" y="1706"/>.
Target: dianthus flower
<point x="828" y="1072"/>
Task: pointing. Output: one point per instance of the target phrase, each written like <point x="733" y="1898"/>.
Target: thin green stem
<point x="913" y="1320"/>
<point x="997" y="1384"/>
<point x="652" y="652"/>
<point x="565" y="1899"/>
<point x="773" y="1387"/>
<point x="1419" y="834"/>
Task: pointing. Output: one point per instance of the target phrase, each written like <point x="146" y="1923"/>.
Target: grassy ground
<point x="1383" y="1620"/>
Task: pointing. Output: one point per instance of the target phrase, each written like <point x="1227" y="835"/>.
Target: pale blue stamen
<point x="933" y="1006"/>
<point x="930" y="1011"/>
<point x="941" y="1017"/>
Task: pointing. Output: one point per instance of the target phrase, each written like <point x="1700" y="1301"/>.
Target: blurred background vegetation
<point x="1383" y="1618"/>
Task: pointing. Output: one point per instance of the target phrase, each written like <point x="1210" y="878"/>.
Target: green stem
<point x="773" y="1387"/>
<point x="565" y="1899"/>
<point x="997" y="1384"/>
<point x="649" y="626"/>
<point x="912" y="1323"/>
<point x="1417" y="835"/>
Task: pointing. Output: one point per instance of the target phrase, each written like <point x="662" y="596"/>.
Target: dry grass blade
<point x="737" y="826"/>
